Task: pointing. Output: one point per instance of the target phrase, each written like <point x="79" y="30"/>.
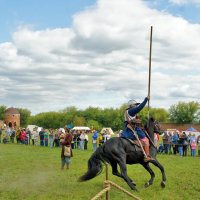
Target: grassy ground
<point x="33" y="173"/>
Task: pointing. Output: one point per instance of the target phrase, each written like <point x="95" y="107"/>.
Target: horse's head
<point x="157" y="127"/>
<point x="153" y="126"/>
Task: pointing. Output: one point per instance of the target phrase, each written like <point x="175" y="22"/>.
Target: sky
<point x="57" y="54"/>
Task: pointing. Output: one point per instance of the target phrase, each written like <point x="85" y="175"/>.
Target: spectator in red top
<point x="66" y="152"/>
<point x="23" y="136"/>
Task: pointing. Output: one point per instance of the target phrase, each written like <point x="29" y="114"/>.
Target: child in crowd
<point x="193" y="148"/>
<point x="198" y="143"/>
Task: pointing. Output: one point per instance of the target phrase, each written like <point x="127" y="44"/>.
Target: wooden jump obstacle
<point x="107" y="187"/>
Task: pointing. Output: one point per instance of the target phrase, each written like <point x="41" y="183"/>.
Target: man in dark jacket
<point x="41" y="134"/>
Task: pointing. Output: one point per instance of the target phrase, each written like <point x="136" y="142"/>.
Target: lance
<point x="149" y="82"/>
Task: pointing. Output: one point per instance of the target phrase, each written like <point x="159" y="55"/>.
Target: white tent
<point x="81" y="128"/>
<point x="109" y="130"/>
<point x="31" y="127"/>
<point x="62" y="130"/>
<point x="192" y="131"/>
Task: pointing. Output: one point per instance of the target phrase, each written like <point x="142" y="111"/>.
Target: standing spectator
<point x="106" y="135"/>
<point x="51" y="137"/>
<point x="78" y="140"/>
<point x="8" y="132"/>
<point x="160" y="148"/>
<point x="66" y="152"/>
<point x="185" y="144"/>
<point x="193" y="148"/>
<point x="94" y="140"/>
<point x="192" y="139"/>
<point x="74" y="139"/>
<point x="12" y="136"/>
<point x="18" y="132"/>
<point x="0" y="134"/>
<point x="166" y="142"/>
<point x="41" y="134"/>
<point x="82" y="140"/>
<point x="101" y="139"/>
<point x="23" y="136"/>
<point x="28" y="135"/>
<point x="86" y="141"/>
<point x="170" y="144"/>
<point x="174" y="141"/>
<point x="189" y="141"/>
<point x="198" y="143"/>
<point x="56" y="139"/>
<point x="62" y="137"/>
<point x="34" y="135"/>
<point x="180" y="144"/>
<point x="72" y="143"/>
<point x="46" y="137"/>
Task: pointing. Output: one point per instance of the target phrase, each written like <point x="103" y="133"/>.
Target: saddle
<point x="134" y="144"/>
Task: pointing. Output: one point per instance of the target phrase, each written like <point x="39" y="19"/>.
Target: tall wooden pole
<point x="149" y="83"/>
<point x="107" y="197"/>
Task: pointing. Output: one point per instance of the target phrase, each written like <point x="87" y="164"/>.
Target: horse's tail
<point x="94" y="166"/>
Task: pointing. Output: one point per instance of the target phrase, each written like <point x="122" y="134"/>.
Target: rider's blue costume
<point x="130" y="114"/>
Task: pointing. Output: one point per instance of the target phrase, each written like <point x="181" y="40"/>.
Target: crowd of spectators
<point x="173" y="142"/>
<point x="180" y="143"/>
<point x="44" y="137"/>
<point x="54" y="137"/>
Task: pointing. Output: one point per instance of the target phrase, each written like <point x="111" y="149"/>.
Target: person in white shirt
<point x="107" y="135"/>
<point x="82" y="140"/>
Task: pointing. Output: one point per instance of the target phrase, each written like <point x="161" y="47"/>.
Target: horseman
<point x="133" y="129"/>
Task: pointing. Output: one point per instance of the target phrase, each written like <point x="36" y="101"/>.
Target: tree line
<point x="97" y="118"/>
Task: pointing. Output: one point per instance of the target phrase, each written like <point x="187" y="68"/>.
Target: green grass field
<point x="33" y="173"/>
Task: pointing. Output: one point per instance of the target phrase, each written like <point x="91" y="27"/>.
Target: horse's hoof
<point x="133" y="183"/>
<point x="146" y="185"/>
<point x="163" y="184"/>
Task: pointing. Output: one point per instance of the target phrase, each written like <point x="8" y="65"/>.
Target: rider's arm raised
<point x="134" y="111"/>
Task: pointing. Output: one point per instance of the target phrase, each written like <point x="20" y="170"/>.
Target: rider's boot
<point x="147" y="157"/>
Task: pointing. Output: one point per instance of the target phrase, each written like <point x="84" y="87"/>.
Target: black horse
<point x="121" y="151"/>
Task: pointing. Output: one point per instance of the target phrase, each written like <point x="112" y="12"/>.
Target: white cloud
<point x="102" y="60"/>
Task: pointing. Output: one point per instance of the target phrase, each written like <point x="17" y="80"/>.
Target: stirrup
<point x="148" y="158"/>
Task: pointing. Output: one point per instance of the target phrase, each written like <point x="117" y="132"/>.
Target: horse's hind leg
<point x="148" y="168"/>
<point x="124" y="174"/>
<point x="114" y="169"/>
<point x="116" y="172"/>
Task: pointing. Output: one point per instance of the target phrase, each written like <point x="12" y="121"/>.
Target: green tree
<point x="69" y="114"/>
<point x="2" y="112"/>
<point x="24" y="116"/>
<point x="79" y="121"/>
<point x="160" y="114"/>
<point x="94" y="113"/>
<point x="48" y="120"/>
<point x="185" y="112"/>
<point x="93" y="124"/>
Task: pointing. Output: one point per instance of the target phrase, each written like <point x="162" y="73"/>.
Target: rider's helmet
<point x="132" y="103"/>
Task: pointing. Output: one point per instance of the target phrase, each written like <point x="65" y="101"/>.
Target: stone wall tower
<point x="12" y="117"/>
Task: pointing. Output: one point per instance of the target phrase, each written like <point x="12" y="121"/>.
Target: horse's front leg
<point x="157" y="164"/>
<point x="148" y="168"/>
